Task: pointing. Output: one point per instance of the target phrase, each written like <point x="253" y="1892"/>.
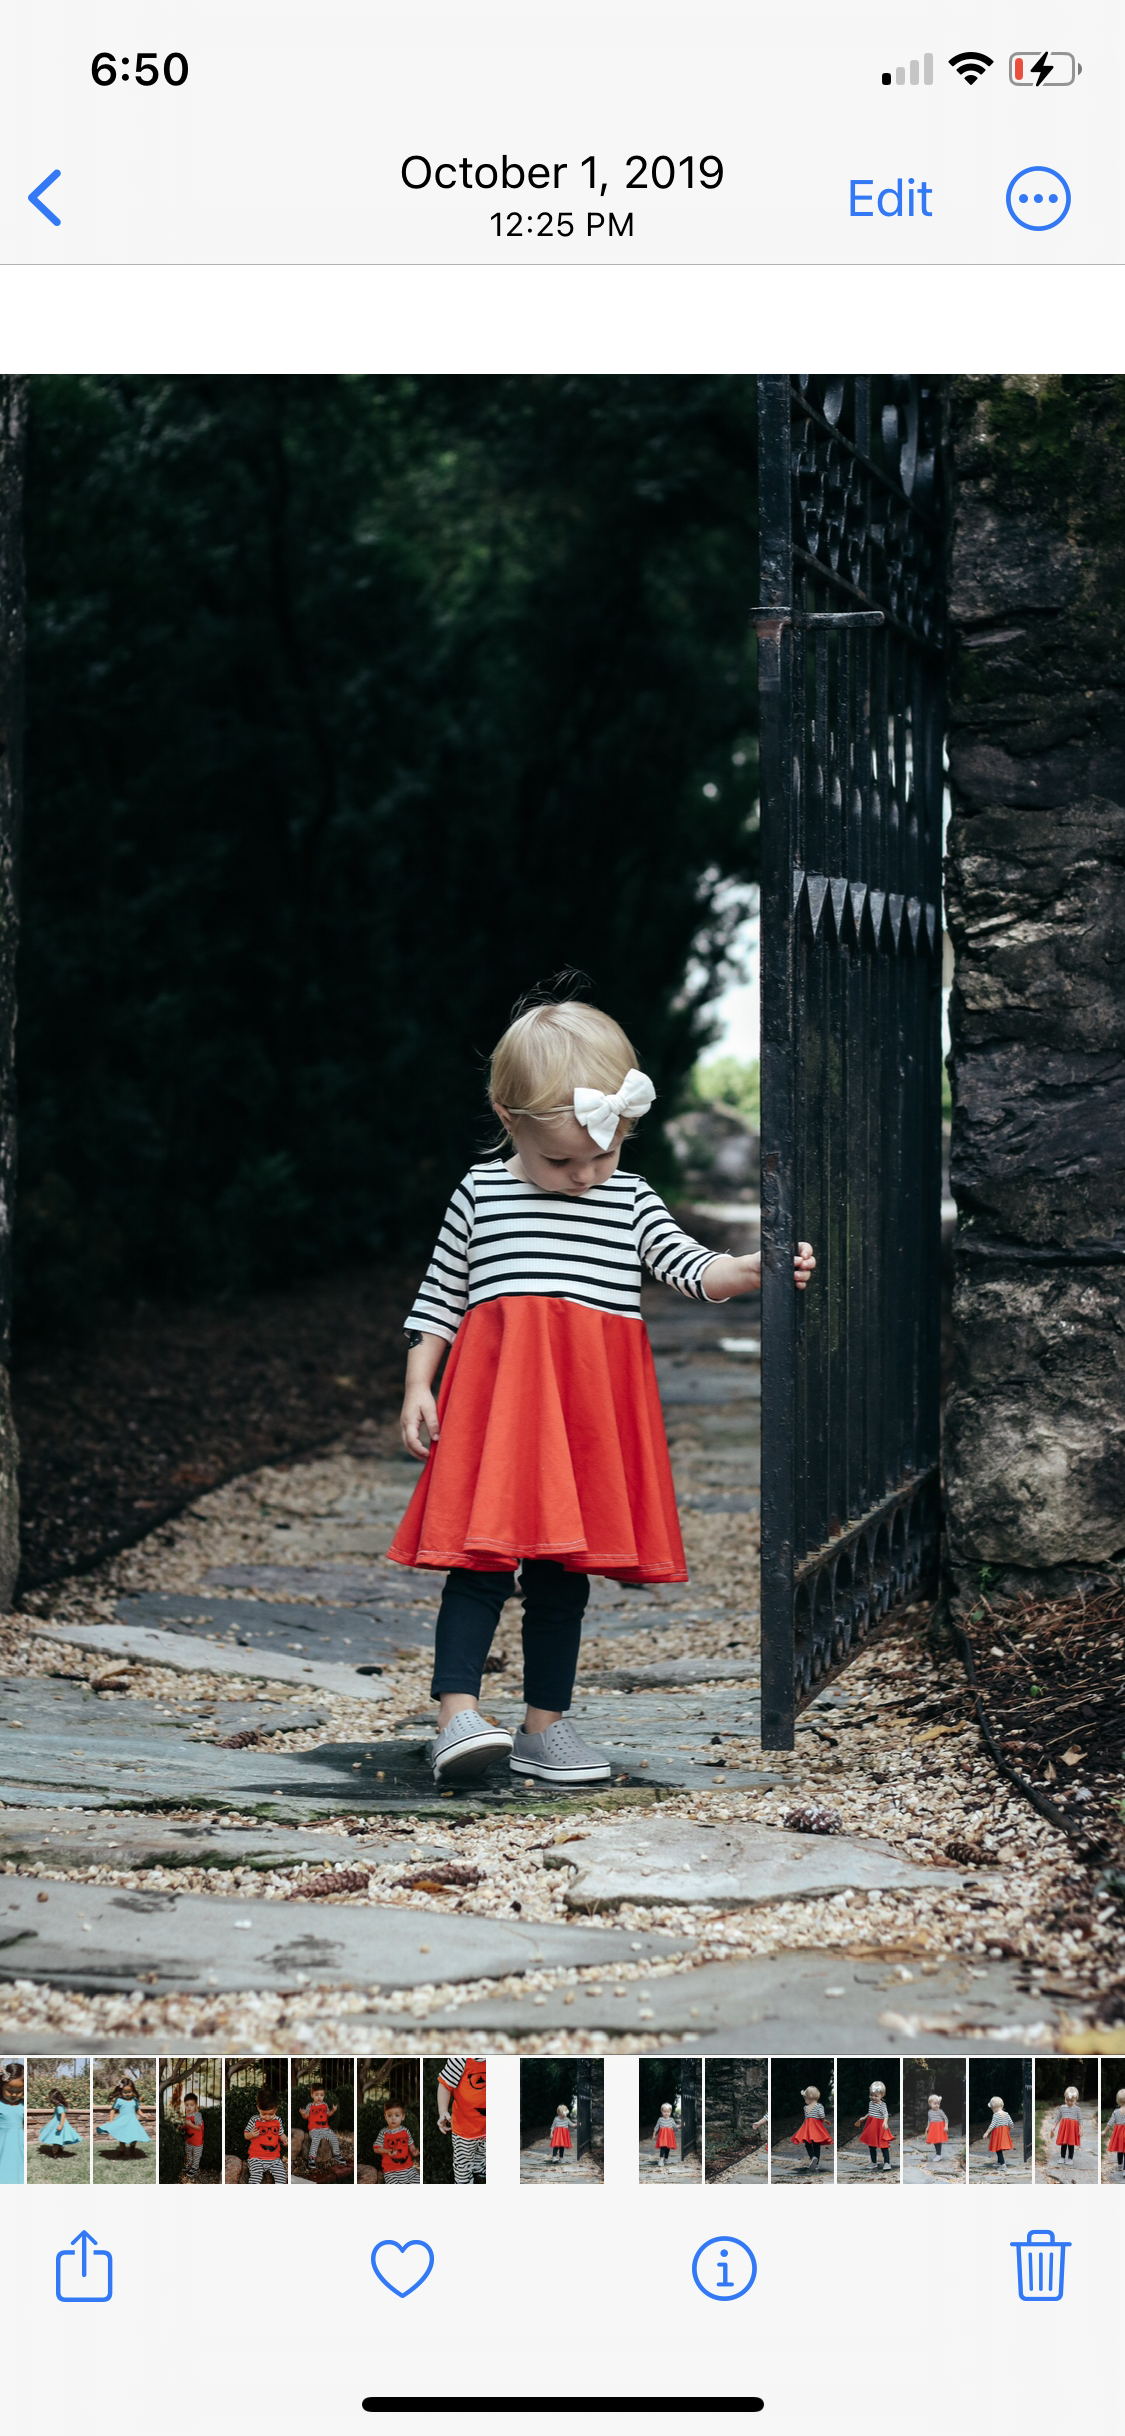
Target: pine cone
<point x="240" y="1742"/>
<point x="813" y="1821"/>
<point x="335" y="1882"/>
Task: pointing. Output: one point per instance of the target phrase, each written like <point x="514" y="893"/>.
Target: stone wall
<point x="1035" y="879"/>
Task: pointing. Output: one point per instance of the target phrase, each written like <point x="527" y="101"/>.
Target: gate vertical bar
<point x="779" y="1315"/>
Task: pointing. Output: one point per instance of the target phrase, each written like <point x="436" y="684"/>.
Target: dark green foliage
<point x="923" y="2079"/>
<point x="1056" y="2073"/>
<point x="173" y="2146"/>
<point x="355" y="707"/>
<point x="546" y="2083"/>
<point x="1002" y="2077"/>
<point x="790" y="2074"/>
<point x="437" y="2150"/>
<point x="854" y="2076"/>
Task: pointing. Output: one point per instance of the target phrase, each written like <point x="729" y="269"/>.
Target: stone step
<point x="130" y="1839"/>
<point x="669" y="1860"/>
<point x="102" y="1939"/>
<point x="780" y="2005"/>
<point x="190" y="1653"/>
<point x="343" y="1636"/>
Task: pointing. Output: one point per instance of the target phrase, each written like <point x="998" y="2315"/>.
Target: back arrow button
<point x="36" y="197"/>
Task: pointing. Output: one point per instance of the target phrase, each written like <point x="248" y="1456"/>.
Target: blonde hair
<point x="549" y="1051"/>
<point x="996" y="2102"/>
<point x="1121" y="2097"/>
<point x="935" y="2098"/>
<point x="878" y="2089"/>
<point x="1070" y="2093"/>
<point x="810" y="2092"/>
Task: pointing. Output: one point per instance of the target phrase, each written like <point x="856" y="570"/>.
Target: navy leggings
<point x="554" y="1602"/>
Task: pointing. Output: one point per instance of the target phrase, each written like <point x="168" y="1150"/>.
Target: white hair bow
<point x="601" y="1112"/>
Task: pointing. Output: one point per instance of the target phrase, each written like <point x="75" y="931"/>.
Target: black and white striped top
<point x="501" y="1236"/>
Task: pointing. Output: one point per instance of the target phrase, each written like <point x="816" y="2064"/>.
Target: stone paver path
<point x="919" y="2161"/>
<point x="790" y="2165"/>
<point x="680" y="2169"/>
<point x="537" y="2164"/>
<point x="753" y="2168"/>
<point x="983" y="2168"/>
<point x="674" y="1908"/>
<point x="854" y="2165"/>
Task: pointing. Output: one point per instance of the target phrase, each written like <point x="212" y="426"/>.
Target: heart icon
<point x="396" y="2270"/>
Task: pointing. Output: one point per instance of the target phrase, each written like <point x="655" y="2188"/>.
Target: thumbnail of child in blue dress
<point x="11" y="2122"/>
<point x="59" y="2134"/>
<point x="125" y="2125"/>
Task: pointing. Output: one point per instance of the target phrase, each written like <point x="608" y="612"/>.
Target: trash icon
<point x="1040" y="2266"/>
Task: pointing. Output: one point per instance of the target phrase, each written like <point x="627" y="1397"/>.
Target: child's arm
<point x="438" y="1310"/>
<point x="305" y="2110"/>
<point x="725" y="1277"/>
<point x="333" y="2110"/>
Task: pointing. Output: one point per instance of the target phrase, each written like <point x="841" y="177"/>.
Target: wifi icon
<point x="970" y="65"/>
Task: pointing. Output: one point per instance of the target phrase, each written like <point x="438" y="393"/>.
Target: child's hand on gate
<point x="804" y="1262"/>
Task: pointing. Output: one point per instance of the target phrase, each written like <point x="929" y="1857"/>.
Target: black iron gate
<point x="583" y="2097"/>
<point x="851" y="710"/>
<point x="689" y="2109"/>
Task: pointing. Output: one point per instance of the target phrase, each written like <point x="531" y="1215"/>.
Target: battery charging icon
<point x="1038" y="68"/>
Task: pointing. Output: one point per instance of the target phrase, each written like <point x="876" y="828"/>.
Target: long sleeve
<point x="443" y="1296"/>
<point x="675" y="1258"/>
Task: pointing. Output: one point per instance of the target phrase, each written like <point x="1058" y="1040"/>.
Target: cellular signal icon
<point x="900" y="77"/>
<point x="970" y="65"/>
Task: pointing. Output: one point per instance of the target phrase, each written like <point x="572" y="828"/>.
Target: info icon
<point x="724" y="2268"/>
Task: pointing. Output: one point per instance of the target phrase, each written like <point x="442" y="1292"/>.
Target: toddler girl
<point x="11" y="2120"/>
<point x="1068" y="2125"/>
<point x="59" y="2134"/>
<point x="874" y="2128"/>
<point x="813" y="2134"/>
<point x="560" y="2134"/>
<point x="125" y="2124"/>
<point x="937" y="2129"/>
<point x="664" y="2135"/>
<point x="1115" y="2146"/>
<point x="1000" y="2136"/>
<point x="546" y="1445"/>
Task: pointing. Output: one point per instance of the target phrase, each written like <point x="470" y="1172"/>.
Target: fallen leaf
<point x="1072" y="1757"/>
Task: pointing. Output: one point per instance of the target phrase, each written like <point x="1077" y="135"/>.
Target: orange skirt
<point x="812" y="2129"/>
<point x="666" y="2137"/>
<point x="551" y="1444"/>
<point x="936" y="2135"/>
<point x="876" y="2133"/>
<point x="1117" y="2139"/>
<point x="560" y="2137"/>
<point x="1000" y="2138"/>
<point x="1069" y="2133"/>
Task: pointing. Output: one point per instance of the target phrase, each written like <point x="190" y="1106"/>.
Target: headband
<point x="601" y="1112"/>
